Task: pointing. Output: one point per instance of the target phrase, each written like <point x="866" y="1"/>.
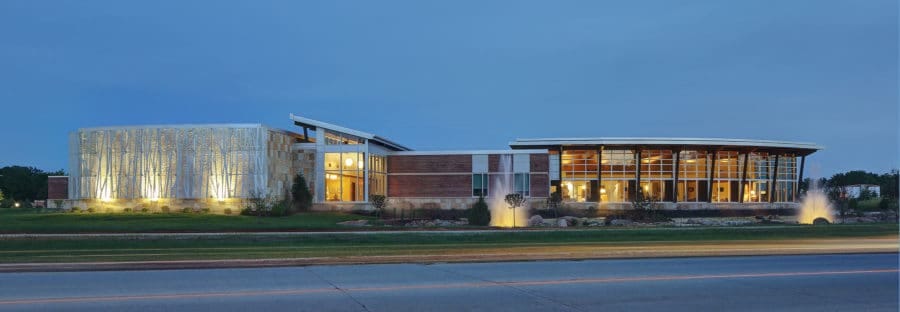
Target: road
<point x="850" y="282"/>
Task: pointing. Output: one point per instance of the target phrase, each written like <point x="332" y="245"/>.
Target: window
<point x="727" y="176"/>
<point x="523" y="184"/>
<point x="618" y="170"/>
<point x="344" y="176"/>
<point x="377" y="175"/>
<point x="693" y="183"/>
<point x="479" y="184"/>
<point x="657" y="168"/>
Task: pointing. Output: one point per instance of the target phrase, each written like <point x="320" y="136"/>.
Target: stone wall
<point x="174" y="205"/>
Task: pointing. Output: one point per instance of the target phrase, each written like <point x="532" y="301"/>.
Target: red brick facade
<point x="430" y="164"/>
<point x="57" y="188"/>
<point x="458" y="185"/>
<point x="444" y="176"/>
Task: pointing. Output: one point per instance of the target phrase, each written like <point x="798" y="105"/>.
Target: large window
<point x="337" y="138"/>
<point x="377" y="175"/>
<point x="522" y="184"/>
<point x="727" y="177"/>
<point x="759" y="175"/>
<point x="693" y="178"/>
<point x="479" y="184"/>
<point x="657" y="168"/>
<point x="618" y="170"/>
<point x="344" y="176"/>
<point x="786" y="178"/>
<point x="579" y="175"/>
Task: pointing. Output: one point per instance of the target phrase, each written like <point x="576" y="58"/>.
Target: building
<point x="221" y="166"/>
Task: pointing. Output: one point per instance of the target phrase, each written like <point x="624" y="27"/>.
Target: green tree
<point x="302" y="197"/>
<point x="479" y="214"/>
<point x="25" y="184"/>
<point x="379" y="202"/>
<point x="514" y="200"/>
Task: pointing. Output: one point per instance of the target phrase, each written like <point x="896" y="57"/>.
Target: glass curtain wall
<point x="727" y="177"/>
<point x="693" y="176"/>
<point x="618" y="170"/>
<point x="759" y="176"/>
<point x="786" y="178"/>
<point x="579" y="175"/>
<point x="344" y="170"/>
<point x="657" y="168"/>
<point x="377" y="175"/>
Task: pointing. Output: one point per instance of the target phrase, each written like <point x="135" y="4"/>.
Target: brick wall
<point x="430" y="164"/>
<point x="57" y="188"/>
<point x="458" y="185"/>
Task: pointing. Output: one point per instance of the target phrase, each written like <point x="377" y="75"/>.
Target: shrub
<point x="74" y="209"/>
<point x="164" y="209"/>
<point x="379" y="202"/>
<point x="203" y="211"/>
<point x="479" y="213"/>
<point x="281" y="208"/>
<point x="126" y="210"/>
<point x="247" y="211"/>
<point x="145" y="210"/>
<point x="186" y="210"/>
<point x="227" y="211"/>
<point x="300" y="194"/>
<point x="91" y="210"/>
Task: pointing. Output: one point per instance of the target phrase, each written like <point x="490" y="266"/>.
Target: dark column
<point x="306" y="134"/>
<point x="675" y="184"/>
<point x="772" y="180"/>
<point x="800" y="175"/>
<point x="711" y="173"/>
<point x="637" y="173"/>
<point x="599" y="174"/>
<point x="743" y="177"/>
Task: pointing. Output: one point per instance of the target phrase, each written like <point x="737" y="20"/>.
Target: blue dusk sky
<point x="459" y="74"/>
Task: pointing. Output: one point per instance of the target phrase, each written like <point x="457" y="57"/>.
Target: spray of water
<point x="501" y="185"/>
<point x="815" y="205"/>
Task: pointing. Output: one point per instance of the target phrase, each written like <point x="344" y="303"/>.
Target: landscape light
<point x="17" y="205"/>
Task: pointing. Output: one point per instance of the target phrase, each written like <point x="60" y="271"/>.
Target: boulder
<point x="562" y="222"/>
<point x="355" y="223"/>
<point x="536" y="220"/>
<point x="621" y="222"/>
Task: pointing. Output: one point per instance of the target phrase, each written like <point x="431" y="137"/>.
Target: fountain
<point x="815" y="205"/>
<point x="502" y="184"/>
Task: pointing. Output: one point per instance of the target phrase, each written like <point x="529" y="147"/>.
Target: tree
<point x="379" y="202"/>
<point x="1" y="196"/>
<point x="479" y="214"/>
<point x="553" y="203"/>
<point x="514" y="200"/>
<point x="25" y="184"/>
<point x="302" y="197"/>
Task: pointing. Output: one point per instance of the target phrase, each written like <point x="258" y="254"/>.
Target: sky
<point x="449" y="75"/>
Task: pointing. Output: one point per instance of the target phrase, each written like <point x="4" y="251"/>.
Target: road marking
<point x="432" y="286"/>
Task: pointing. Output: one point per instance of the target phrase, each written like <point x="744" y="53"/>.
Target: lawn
<point x="28" y="221"/>
<point x="249" y="246"/>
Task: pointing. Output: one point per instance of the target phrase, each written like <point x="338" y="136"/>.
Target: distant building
<point x="221" y="166"/>
<point x="853" y="191"/>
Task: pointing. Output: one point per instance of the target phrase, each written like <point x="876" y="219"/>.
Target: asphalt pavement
<point x="850" y="282"/>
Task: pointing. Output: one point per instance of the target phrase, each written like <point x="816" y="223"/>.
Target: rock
<point x="562" y="222"/>
<point x="571" y="221"/>
<point x="355" y="223"/>
<point x="536" y="220"/>
<point x="621" y="222"/>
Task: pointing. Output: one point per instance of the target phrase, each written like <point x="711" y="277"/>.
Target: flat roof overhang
<point x="799" y="148"/>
